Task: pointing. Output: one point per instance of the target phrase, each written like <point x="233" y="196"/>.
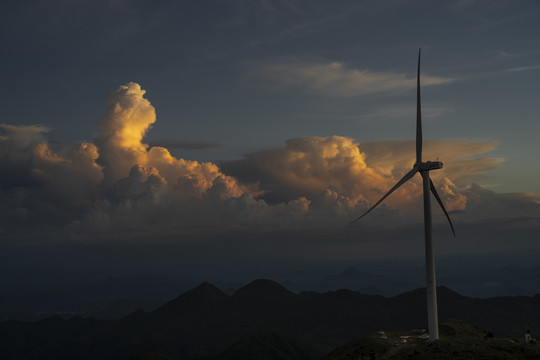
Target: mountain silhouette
<point x="262" y="290"/>
<point x="204" y="322"/>
<point x="200" y="299"/>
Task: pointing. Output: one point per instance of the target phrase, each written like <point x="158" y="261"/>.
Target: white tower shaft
<point x="431" y="284"/>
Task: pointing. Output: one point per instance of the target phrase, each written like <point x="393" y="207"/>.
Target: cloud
<point x="307" y="166"/>
<point x="22" y="137"/>
<point x="188" y="145"/>
<point x="461" y="159"/>
<point x="359" y="174"/>
<point x="118" y="188"/>
<point x="116" y="183"/>
<point x="16" y="150"/>
<point x="27" y="161"/>
<point x="191" y="179"/>
<point x="524" y="68"/>
<point x="126" y="120"/>
<point x="335" y="79"/>
<point x="487" y="204"/>
<point x="41" y="188"/>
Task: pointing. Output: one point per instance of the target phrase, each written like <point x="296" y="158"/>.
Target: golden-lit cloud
<point x="120" y="185"/>
<point x="72" y="177"/>
<point x="117" y="182"/>
<point x="337" y="80"/>
<point x="126" y="121"/>
<point x="123" y="126"/>
<point x="453" y="198"/>
<point x="461" y="159"/>
<point x="360" y="174"/>
<point x="192" y="179"/>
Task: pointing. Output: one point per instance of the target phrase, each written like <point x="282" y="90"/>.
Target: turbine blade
<point x="434" y="191"/>
<point x="418" y="115"/>
<point x="407" y="176"/>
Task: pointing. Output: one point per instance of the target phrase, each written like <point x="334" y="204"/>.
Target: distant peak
<point x="205" y="285"/>
<point x="443" y="290"/>
<point x="136" y="315"/>
<point x="205" y="288"/>
<point x="265" y="288"/>
<point x="203" y="295"/>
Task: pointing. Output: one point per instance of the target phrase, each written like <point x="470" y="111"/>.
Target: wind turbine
<point x="424" y="168"/>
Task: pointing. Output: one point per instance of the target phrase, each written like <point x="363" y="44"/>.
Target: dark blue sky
<point x="203" y="65"/>
<point x="232" y="82"/>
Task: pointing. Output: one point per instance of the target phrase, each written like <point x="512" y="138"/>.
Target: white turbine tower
<point x="423" y="168"/>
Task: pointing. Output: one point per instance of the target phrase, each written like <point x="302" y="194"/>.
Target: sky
<point x="243" y="131"/>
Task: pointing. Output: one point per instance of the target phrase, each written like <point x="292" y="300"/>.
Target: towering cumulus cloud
<point x="126" y="121"/>
<point x="118" y="185"/>
<point x="123" y="126"/>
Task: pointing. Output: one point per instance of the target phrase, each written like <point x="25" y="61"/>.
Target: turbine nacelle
<point x="429" y="165"/>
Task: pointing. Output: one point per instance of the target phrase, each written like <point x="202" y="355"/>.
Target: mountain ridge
<point x="205" y="321"/>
